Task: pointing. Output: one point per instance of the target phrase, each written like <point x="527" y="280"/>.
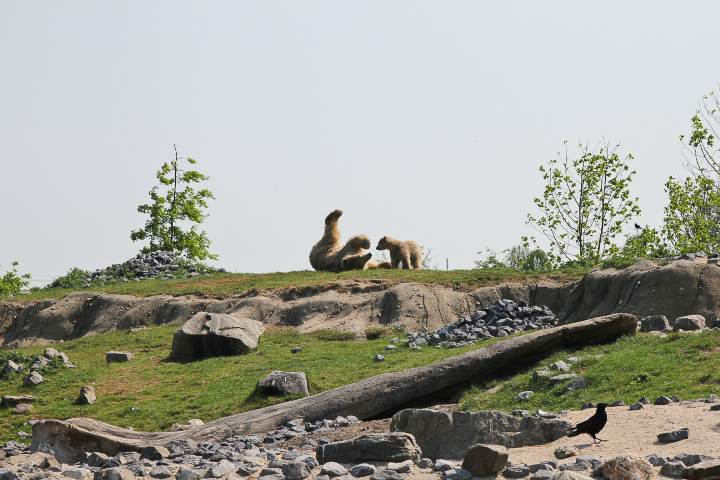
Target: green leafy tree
<point x="646" y="243"/>
<point x="522" y="258"/>
<point x="585" y="204"/>
<point x="692" y="215"/>
<point x="11" y="283"/>
<point x="170" y="210"/>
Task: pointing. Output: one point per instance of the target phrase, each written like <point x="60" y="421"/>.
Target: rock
<point x="516" y="471"/>
<point x="333" y="469"/>
<point x="22" y="408"/>
<point x="119" y="357"/>
<point x="160" y="471"/>
<point x="10" y="368"/>
<point x="674" y="436"/>
<point x="379" y="447"/>
<point x="709" y="469"/>
<point x="13" y="400"/>
<point x="401" y="467"/>
<point x="378" y="358"/>
<point x="562" y="378"/>
<point x="627" y="467"/>
<point x="576" y="383"/>
<point x="425" y="463"/>
<point x="690" y="460"/>
<point x="543" y="475"/>
<point x="442" y="434"/>
<point x="654" y="323"/>
<point x="566" y="451"/>
<point x="484" y="460"/>
<point x="76" y="473"/>
<point x="560" y="366"/>
<point x="689" y="322"/>
<point x="285" y="383"/>
<point x="540" y="374"/>
<point x="656" y="460"/>
<point x="116" y="474"/>
<point x="296" y="350"/>
<point x="154" y="453"/>
<point x="87" y="396"/>
<point x="215" y="334"/>
<point x="570" y="475"/>
<point x="295" y="470"/>
<point x="223" y="467"/>
<point x="524" y="395"/>
<point x="672" y="469"/>
<point x="189" y="474"/>
<point x="443" y="465"/>
<point x="33" y="379"/>
<point x="636" y="406"/>
<point x="386" y="475"/>
<point x="455" y="474"/>
<point x="663" y="400"/>
<point x="362" y="470"/>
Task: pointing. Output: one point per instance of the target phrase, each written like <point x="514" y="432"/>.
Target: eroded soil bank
<point x="680" y="288"/>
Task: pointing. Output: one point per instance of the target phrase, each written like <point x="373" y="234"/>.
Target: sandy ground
<point x="626" y="432"/>
<point x="636" y="432"/>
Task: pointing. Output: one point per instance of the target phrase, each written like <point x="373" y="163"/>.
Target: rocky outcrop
<point x="646" y="289"/>
<point x="443" y="434"/>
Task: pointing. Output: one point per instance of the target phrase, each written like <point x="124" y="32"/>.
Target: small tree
<point x="167" y="211"/>
<point x="585" y="204"/>
<point x="11" y="283"/>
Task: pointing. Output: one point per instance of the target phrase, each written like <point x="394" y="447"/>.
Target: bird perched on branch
<point x="592" y="425"/>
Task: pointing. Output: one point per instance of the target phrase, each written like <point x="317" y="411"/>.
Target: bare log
<point x="364" y="399"/>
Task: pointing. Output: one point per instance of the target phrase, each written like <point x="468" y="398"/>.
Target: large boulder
<point x="442" y="434"/>
<point x="374" y="447"/>
<point x="214" y="335"/>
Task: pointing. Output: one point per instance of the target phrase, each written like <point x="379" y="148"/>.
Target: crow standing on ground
<point x="592" y="425"/>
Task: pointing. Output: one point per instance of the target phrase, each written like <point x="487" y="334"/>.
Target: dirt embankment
<point x="680" y="288"/>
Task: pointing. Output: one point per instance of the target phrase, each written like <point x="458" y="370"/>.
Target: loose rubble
<point x="504" y="318"/>
<point x="157" y="265"/>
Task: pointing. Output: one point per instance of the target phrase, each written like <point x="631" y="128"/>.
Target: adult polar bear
<point x="331" y="256"/>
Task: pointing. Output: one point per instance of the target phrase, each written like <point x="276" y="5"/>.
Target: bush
<point x="11" y="283"/>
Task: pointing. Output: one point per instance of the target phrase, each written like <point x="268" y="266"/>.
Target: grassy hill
<point x="153" y="392"/>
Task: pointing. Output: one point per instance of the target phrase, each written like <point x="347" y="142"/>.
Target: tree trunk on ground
<point x="365" y="399"/>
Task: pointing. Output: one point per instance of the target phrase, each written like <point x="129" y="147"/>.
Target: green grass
<point x="167" y="392"/>
<point x="632" y="367"/>
<point x="221" y="285"/>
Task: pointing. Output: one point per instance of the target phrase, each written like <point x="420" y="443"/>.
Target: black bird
<point x="637" y="225"/>
<point x="592" y="425"/>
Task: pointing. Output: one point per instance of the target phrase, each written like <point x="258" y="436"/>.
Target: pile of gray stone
<point x="33" y="367"/>
<point x="504" y="318"/>
<point x="158" y="265"/>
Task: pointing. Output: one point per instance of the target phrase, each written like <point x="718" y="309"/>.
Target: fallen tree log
<point x="365" y="399"/>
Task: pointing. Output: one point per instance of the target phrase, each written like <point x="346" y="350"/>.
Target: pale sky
<point x="420" y="120"/>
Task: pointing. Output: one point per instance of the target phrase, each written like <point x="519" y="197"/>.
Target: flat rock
<point x="378" y="447"/>
<point x="215" y="334"/>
